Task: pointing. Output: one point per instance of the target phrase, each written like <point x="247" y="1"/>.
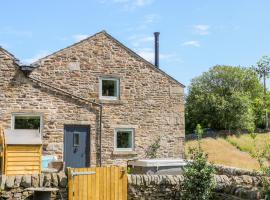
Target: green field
<point x="233" y="151"/>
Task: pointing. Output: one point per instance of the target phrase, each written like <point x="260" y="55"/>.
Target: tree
<point x="261" y="105"/>
<point x="224" y="98"/>
<point x="263" y="70"/>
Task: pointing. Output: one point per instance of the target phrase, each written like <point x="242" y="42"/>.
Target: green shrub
<point x="199" y="131"/>
<point x="152" y="150"/>
<point x="198" y="177"/>
<point x="265" y="190"/>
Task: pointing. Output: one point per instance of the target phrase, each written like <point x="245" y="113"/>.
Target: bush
<point x="199" y="131"/>
<point x="152" y="150"/>
<point x="198" y="177"/>
<point x="265" y="190"/>
<point x="263" y="158"/>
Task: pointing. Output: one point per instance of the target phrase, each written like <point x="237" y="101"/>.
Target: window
<point x="24" y="121"/>
<point x="76" y="139"/>
<point x="124" y="139"/>
<point x="109" y="88"/>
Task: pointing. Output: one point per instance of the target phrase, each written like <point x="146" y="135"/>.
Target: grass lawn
<point x="220" y="151"/>
<point x="247" y="144"/>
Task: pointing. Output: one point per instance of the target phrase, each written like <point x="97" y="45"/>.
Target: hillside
<point x="233" y="151"/>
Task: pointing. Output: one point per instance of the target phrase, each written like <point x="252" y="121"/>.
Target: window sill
<point x="112" y="101"/>
<point x="123" y="153"/>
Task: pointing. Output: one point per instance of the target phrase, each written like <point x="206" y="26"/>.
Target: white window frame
<point x="115" y="139"/>
<point x="117" y="88"/>
<point x="26" y="115"/>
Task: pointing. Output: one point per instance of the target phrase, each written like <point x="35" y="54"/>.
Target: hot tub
<point x="157" y="166"/>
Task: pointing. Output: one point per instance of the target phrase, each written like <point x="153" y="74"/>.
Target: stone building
<point x="94" y="102"/>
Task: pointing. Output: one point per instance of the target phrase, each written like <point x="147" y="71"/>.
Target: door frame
<point x="88" y="142"/>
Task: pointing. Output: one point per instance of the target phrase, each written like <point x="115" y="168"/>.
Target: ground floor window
<point x="26" y="121"/>
<point x="124" y="139"/>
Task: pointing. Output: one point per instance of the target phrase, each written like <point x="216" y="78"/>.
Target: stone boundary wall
<point x="168" y="187"/>
<point x="231" y="184"/>
<point x="13" y="187"/>
<point x="233" y="171"/>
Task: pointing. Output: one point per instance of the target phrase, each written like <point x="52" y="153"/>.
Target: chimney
<point x="156" y="49"/>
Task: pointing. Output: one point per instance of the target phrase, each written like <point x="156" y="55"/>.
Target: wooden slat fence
<point x="106" y="183"/>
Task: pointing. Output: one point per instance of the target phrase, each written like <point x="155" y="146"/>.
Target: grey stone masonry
<point x="140" y="187"/>
<point x="14" y="187"/>
<point x="150" y="101"/>
<point x="169" y="187"/>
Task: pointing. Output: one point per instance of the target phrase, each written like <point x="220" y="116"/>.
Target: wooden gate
<point x="97" y="183"/>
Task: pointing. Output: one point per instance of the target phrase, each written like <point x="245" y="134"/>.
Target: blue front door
<point x="76" y="146"/>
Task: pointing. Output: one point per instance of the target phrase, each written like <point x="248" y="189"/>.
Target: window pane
<point x="109" y="88"/>
<point x="76" y="139"/>
<point x="124" y="139"/>
<point x="27" y="122"/>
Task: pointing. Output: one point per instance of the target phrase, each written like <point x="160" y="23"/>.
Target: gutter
<point x="27" y="70"/>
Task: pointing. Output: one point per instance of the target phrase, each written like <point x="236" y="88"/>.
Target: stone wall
<point x="140" y="187"/>
<point x="168" y="187"/>
<point x="14" y="187"/>
<point x="150" y="101"/>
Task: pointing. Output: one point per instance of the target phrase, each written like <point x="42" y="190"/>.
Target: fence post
<point x="70" y="184"/>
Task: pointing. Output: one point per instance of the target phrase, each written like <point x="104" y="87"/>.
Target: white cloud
<point x="79" y="37"/>
<point x="142" y="2"/>
<point x="151" y="18"/>
<point x="138" y="40"/>
<point x="192" y="43"/>
<point x="146" y="22"/>
<point x="39" y="55"/>
<point x="120" y="1"/>
<point x="149" y="55"/>
<point x="201" y="29"/>
<point x="129" y="4"/>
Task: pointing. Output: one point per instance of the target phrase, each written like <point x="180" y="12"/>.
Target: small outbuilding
<point x="21" y="152"/>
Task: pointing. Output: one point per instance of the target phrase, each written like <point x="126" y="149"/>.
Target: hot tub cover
<point x="157" y="162"/>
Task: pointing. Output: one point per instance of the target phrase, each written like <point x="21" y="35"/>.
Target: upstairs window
<point x="109" y="88"/>
<point x="22" y="121"/>
<point x="124" y="139"/>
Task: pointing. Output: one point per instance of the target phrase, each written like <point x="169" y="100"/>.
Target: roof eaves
<point x="16" y="61"/>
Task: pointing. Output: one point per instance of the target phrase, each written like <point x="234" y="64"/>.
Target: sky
<point x="194" y="34"/>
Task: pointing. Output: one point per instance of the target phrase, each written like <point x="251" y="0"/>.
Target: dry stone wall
<point x="15" y="187"/>
<point x="169" y="187"/>
<point x="238" y="185"/>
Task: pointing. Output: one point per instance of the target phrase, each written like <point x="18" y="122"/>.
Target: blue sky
<point x="195" y="34"/>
